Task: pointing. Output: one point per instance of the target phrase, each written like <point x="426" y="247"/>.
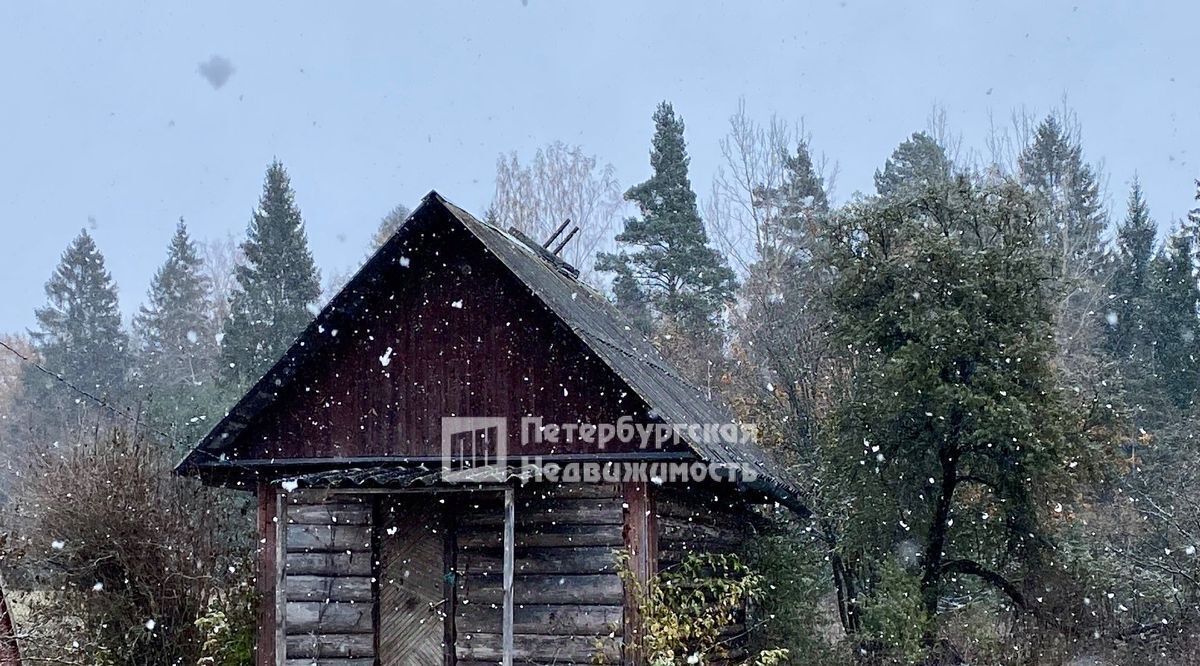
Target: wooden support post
<point x="450" y="560"/>
<point x="10" y="653"/>
<point x="269" y="645"/>
<point x="509" y="548"/>
<point x="641" y="541"/>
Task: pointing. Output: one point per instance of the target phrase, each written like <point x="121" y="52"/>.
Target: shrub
<point x="123" y="555"/>
<point x="685" y="610"/>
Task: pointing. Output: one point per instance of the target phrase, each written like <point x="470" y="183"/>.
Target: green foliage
<point x="671" y="268"/>
<point x="276" y="287"/>
<point x="227" y="628"/>
<point x="789" y="613"/>
<point x="1128" y="335"/>
<point x="1053" y="170"/>
<point x="685" y="608"/>
<point x="894" y="615"/>
<point x="955" y="427"/>
<point x="79" y="331"/>
<point x="177" y="338"/>
<point x="915" y="166"/>
<point x="1172" y="318"/>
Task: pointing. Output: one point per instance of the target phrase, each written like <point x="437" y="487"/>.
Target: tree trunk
<point x="935" y="548"/>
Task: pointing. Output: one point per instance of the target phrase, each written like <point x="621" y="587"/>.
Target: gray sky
<point x="104" y="113"/>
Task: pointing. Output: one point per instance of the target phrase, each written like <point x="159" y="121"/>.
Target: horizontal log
<point x="329" y="514"/>
<point x="709" y="515"/>
<point x="544" y="536"/>
<point x="581" y="560"/>
<point x="670" y="558"/>
<point x="577" y="512"/>
<point x="323" y="496"/>
<point x="570" y="620"/>
<point x="567" y="490"/>
<point x="304" y="617"/>
<point x="328" y="588"/>
<point x="674" y="529"/>
<point x="541" y="649"/>
<point x="370" y="661"/>
<point x="599" y="589"/>
<point x="323" y="646"/>
<point x="314" y="538"/>
<point x="329" y="564"/>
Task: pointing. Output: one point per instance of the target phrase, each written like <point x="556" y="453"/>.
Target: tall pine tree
<point x="79" y="332"/>
<point x="177" y="335"/>
<point x="917" y="164"/>
<point x="1127" y="330"/>
<point x="1053" y="168"/>
<point x="671" y="267"/>
<point x="275" y="287"/>
<point x="1173" y="319"/>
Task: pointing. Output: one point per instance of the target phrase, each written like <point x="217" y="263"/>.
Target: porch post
<point x="509" y="548"/>
<point x="641" y="541"/>
<point x="268" y="637"/>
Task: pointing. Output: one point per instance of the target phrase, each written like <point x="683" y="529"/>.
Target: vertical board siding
<point x="567" y="596"/>
<point x="330" y="598"/>
<point x="451" y="333"/>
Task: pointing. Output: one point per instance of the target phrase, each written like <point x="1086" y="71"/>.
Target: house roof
<point x="588" y="314"/>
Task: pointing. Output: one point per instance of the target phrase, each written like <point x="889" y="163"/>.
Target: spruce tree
<point x="1194" y="214"/>
<point x="917" y="164"/>
<point x="1053" y="168"/>
<point x="388" y="225"/>
<point x="670" y="266"/>
<point x="1127" y="329"/>
<point x="276" y="286"/>
<point x="79" y="332"/>
<point x="780" y="324"/>
<point x="177" y="335"/>
<point x="800" y="200"/>
<point x="1173" y="318"/>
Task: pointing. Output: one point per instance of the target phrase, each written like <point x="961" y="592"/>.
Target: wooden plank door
<point x="413" y="604"/>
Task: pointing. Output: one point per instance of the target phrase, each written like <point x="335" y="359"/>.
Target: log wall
<point x="698" y="520"/>
<point x="568" y="596"/>
<point x="329" y="616"/>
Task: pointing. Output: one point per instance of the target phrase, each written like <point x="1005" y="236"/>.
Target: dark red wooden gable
<point x="447" y="330"/>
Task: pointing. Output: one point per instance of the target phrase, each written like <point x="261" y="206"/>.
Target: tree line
<point x="983" y="378"/>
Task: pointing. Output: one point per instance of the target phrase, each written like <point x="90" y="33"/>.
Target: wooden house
<point x="384" y="538"/>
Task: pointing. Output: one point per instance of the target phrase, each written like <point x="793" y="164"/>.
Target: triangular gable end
<point x="585" y="328"/>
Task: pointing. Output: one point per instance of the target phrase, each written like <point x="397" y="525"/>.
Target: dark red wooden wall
<point x="466" y="338"/>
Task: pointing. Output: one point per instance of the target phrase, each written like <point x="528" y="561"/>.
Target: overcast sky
<point x="108" y="120"/>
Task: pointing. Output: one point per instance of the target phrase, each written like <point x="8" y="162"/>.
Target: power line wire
<point x="125" y="412"/>
<point x="122" y="411"/>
